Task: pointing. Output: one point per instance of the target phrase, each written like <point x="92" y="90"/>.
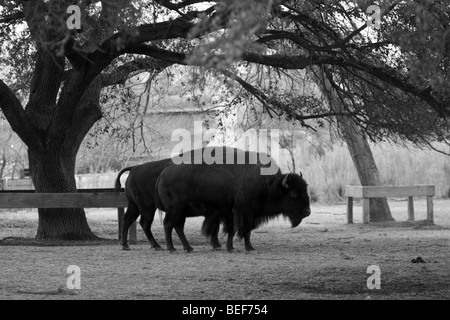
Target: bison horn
<point x="284" y="183"/>
<point x="301" y="175"/>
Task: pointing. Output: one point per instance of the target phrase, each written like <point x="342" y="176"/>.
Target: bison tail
<point x="117" y="185"/>
<point x="158" y="203"/>
<point x="210" y="227"/>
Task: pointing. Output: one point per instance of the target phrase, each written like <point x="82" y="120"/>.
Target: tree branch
<point x="123" y="72"/>
<point x="268" y="102"/>
<point x="76" y="56"/>
<point x="277" y="61"/>
<point x="357" y="31"/>
<point x="157" y="53"/>
<point x="177" y="6"/>
<point x="44" y="88"/>
<point x="279" y="35"/>
<point x="388" y="75"/>
<point x="15" y="114"/>
<point x="385" y="74"/>
<point x="120" y="42"/>
<point x="12" y="17"/>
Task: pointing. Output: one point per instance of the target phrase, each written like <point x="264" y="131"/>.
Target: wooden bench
<point x="367" y="192"/>
<point x="85" y="198"/>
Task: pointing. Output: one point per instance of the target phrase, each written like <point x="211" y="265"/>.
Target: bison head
<point x="295" y="199"/>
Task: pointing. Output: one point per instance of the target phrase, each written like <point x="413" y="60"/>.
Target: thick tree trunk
<point x="365" y="166"/>
<point x="52" y="165"/>
<point x="52" y="169"/>
<point x="357" y="144"/>
<point x="51" y="172"/>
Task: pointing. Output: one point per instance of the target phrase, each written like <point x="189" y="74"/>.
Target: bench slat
<point x="389" y="191"/>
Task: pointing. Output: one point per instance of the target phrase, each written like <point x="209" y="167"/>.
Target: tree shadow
<point x="32" y="242"/>
<point x="419" y="224"/>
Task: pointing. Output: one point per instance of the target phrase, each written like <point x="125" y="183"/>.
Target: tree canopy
<point x="392" y="81"/>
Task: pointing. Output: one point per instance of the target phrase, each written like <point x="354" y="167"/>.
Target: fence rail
<point x="83" y="198"/>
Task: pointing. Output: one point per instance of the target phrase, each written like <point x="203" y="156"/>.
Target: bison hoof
<point x="231" y="250"/>
<point x="188" y="250"/>
<point x="172" y="250"/>
<point x="126" y="248"/>
<point x="158" y="248"/>
<point x="249" y="249"/>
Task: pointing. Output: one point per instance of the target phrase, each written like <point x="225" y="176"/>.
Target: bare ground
<point x="323" y="258"/>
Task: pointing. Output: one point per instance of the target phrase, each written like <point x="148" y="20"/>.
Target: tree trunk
<point x="2" y="169"/>
<point x="357" y="144"/>
<point x="52" y="168"/>
<point x="52" y="165"/>
<point x="365" y="166"/>
<point x="52" y="172"/>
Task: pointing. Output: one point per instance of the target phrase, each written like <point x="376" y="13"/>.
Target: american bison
<point x="140" y="191"/>
<point x="236" y="194"/>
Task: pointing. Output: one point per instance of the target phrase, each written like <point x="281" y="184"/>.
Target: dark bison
<point x="140" y="191"/>
<point x="236" y="194"/>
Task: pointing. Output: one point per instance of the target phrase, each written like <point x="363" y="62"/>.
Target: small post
<point x="430" y="209"/>
<point x="410" y="209"/>
<point x="120" y="212"/>
<point x="366" y="210"/>
<point x="349" y="210"/>
<point x="133" y="237"/>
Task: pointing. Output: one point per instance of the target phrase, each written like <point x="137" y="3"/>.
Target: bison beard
<point x="235" y="194"/>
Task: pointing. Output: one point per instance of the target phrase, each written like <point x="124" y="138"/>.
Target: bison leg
<point x="210" y="229"/>
<point x="146" y="224"/>
<point x="243" y="221"/>
<point x="129" y="217"/>
<point x="215" y="237"/>
<point x="179" y="228"/>
<point x="247" y="243"/>
<point x="230" y="247"/>
<point x="168" y="227"/>
<point x="228" y="228"/>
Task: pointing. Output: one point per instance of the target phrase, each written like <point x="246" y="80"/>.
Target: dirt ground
<point x="323" y="258"/>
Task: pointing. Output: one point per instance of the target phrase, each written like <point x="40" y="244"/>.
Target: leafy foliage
<point x="393" y="82"/>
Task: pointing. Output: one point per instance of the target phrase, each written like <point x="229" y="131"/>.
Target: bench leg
<point x="350" y="210"/>
<point x="366" y="210"/>
<point x="120" y="212"/>
<point x="430" y="209"/>
<point x="410" y="209"/>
